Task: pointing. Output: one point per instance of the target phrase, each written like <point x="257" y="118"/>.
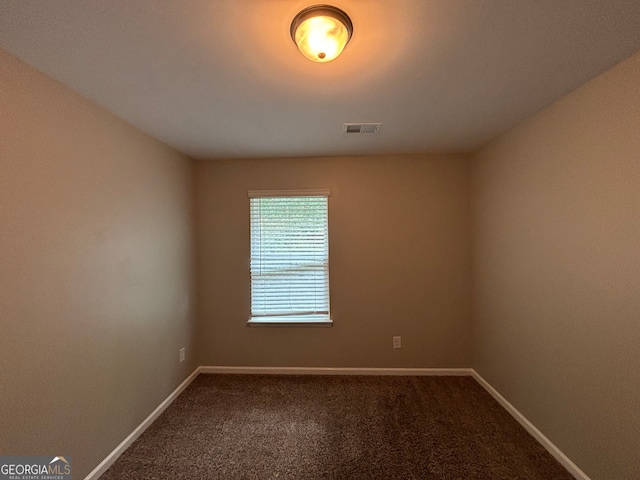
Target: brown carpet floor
<point x="335" y="427"/>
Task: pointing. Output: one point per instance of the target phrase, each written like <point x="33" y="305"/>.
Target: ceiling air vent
<point x="361" y="127"/>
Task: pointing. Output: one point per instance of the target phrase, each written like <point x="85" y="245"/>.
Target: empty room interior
<point x="477" y="168"/>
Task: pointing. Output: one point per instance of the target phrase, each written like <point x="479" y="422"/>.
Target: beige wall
<point x="95" y="272"/>
<point x="399" y="262"/>
<point x="557" y="271"/>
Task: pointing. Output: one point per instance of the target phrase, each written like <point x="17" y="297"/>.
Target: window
<point x="289" y="258"/>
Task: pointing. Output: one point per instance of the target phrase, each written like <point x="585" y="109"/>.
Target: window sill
<point x="311" y="321"/>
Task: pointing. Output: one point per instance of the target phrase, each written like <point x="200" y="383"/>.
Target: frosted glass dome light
<point x="321" y="32"/>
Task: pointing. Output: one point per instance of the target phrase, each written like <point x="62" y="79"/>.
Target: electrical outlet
<point x="397" y="342"/>
<point x="182" y="350"/>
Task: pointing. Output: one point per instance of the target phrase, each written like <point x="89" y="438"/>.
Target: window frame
<point x="297" y="321"/>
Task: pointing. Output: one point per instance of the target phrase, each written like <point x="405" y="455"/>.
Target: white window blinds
<point x="289" y="257"/>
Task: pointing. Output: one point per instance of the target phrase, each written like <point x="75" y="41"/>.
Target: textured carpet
<point x="335" y="427"/>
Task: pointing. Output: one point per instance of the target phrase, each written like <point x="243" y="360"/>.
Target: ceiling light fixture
<point x="321" y="32"/>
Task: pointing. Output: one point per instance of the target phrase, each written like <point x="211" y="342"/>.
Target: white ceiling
<point x="222" y="78"/>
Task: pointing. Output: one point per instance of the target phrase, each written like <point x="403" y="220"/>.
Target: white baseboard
<point x="565" y="461"/>
<point x="119" y="450"/>
<point x="339" y="371"/>
<point x="571" y="467"/>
